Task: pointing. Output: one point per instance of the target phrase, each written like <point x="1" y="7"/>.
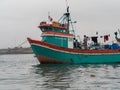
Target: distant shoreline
<point x="20" y="50"/>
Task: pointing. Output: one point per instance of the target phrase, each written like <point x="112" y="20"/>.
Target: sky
<point x="19" y="18"/>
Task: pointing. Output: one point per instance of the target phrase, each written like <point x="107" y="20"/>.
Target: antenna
<point x="66" y="3"/>
<point x="67" y="6"/>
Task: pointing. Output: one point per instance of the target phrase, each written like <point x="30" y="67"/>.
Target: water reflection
<point x="56" y="76"/>
<point x="69" y="77"/>
<point x="20" y="72"/>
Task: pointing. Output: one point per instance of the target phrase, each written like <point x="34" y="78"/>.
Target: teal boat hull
<point x="48" y="53"/>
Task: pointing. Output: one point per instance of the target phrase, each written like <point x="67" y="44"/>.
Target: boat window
<point x="49" y="28"/>
<point x="60" y="30"/>
<point x="56" y="30"/>
<point x="43" y="29"/>
<point x="64" y="31"/>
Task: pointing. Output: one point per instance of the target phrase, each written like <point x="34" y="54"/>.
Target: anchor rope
<point x="22" y="43"/>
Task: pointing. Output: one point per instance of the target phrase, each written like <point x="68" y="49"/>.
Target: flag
<point x="50" y="18"/>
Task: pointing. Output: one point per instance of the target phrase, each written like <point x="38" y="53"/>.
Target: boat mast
<point x="69" y="20"/>
<point x="66" y="17"/>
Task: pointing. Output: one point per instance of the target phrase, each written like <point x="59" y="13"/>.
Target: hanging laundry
<point x="106" y="38"/>
<point x="94" y="39"/>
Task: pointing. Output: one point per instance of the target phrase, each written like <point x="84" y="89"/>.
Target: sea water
<point x="23" y="72"/>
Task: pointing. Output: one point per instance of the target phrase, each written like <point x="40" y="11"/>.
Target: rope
<point x="22" y="43"/>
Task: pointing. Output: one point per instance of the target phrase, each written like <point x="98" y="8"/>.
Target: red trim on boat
<point x="56" y="33"/>
<point x="45" y="44"/>
<point x="42" y="25"/>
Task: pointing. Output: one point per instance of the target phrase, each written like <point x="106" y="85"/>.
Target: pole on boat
<point x="69" y="19"/>
<point x="67" y="5"/>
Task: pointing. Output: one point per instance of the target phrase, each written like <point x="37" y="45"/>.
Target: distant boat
<point x="16" y="50"/>
<point x="60" y="46"/>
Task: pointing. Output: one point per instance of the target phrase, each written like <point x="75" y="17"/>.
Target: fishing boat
<point x="60" y="46"/>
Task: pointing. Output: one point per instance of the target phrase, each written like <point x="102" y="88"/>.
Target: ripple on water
<point x="22" y="72"/>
